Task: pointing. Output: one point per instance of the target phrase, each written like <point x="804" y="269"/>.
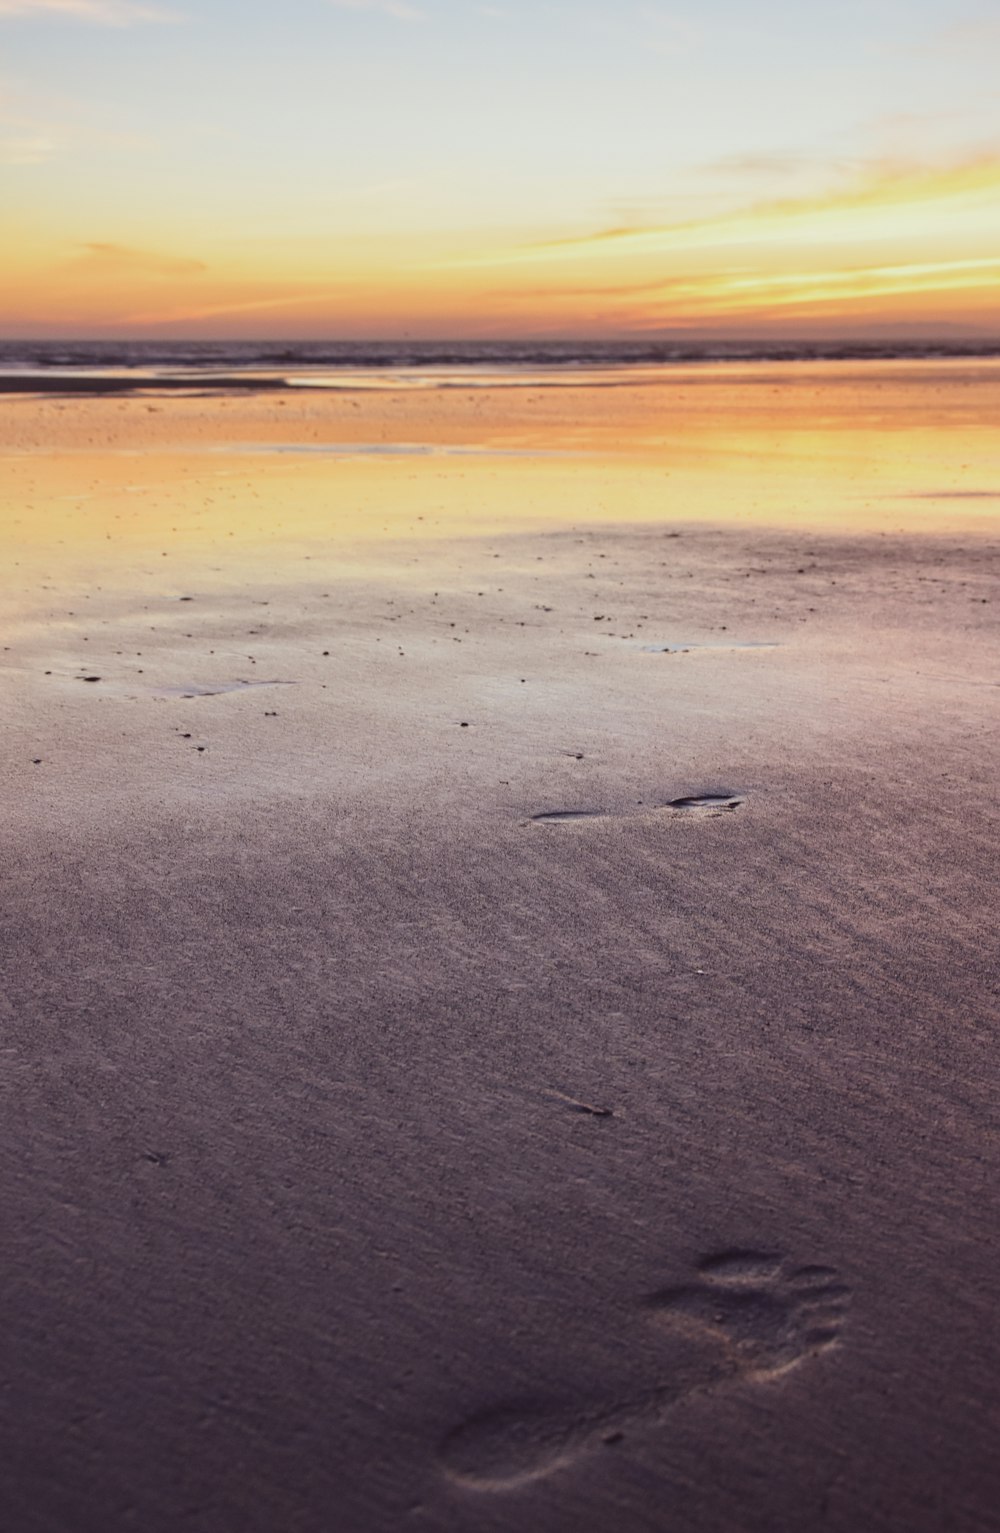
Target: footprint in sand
<point x="718" y="801"/>
<point x="769" y="1316"/>
<point x="715" y="801"/>
<point x="563" y="816"/>
<point x="758" y="1317"/>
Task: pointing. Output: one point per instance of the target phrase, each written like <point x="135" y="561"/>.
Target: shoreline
<point x="493" y="372"/>
<point x="500" y="1010"/>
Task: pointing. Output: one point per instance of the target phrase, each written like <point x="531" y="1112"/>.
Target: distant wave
<point x="129" y="367"/>
<point x="201" y="357"/>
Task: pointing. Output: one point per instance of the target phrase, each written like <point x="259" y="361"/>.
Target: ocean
<point x="125" y="363"/>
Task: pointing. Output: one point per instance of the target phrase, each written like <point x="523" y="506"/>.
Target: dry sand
<point x="410" y="1118"/>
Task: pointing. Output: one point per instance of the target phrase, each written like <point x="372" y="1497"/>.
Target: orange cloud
<point x="185" y="314"/>
<point x="106" y="260"/>
<point x="888" y="204"/>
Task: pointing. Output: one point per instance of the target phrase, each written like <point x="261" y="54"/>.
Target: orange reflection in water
<point x="124" y="494"/>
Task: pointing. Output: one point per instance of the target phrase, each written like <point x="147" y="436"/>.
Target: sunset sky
<point x="448" y="168"/>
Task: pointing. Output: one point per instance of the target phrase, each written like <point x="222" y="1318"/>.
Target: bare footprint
<point x="512" y="1444"/>
<point x="561" y="816"/>
<point x="769" y="1315"/>
<point x="718" y="801"/>
<point x="758" y="1316"/>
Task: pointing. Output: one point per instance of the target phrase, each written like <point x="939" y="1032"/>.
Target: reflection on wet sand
<point x="101" y="487"/>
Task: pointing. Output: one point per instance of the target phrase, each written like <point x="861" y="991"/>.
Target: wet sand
<point x="500" y="1014"/>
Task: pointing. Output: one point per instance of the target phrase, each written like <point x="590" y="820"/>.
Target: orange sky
<point x="385" y="169"/>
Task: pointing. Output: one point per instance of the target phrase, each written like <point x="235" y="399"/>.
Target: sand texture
<point x="499" y="1021"/>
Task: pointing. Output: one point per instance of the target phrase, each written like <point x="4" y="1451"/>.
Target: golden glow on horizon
<point x="916" y="243"/>
<point x="881" y="239"/>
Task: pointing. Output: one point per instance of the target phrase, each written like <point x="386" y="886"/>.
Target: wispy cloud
<point x="887" y="203"/>
<point x="27" y="149"/>
<point x="36" y="129"/>
<point x="739" y="292"/>
<point x="27" y="137"/>
<point x="895" y="237"/>
<point x="397" y="8"/>
<point x="975" y="33"/>
<point x="103" y="259"/>
<point x="751" y="289"/>
<point x="104" y="13"/>
<point x="222" y="310"/>
<point x="757" y="164"/>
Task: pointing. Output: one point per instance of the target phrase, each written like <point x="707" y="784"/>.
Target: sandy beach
<point x="500" y="1011"/>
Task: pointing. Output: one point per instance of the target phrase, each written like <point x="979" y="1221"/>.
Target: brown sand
<point x="377" y="1154"/>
